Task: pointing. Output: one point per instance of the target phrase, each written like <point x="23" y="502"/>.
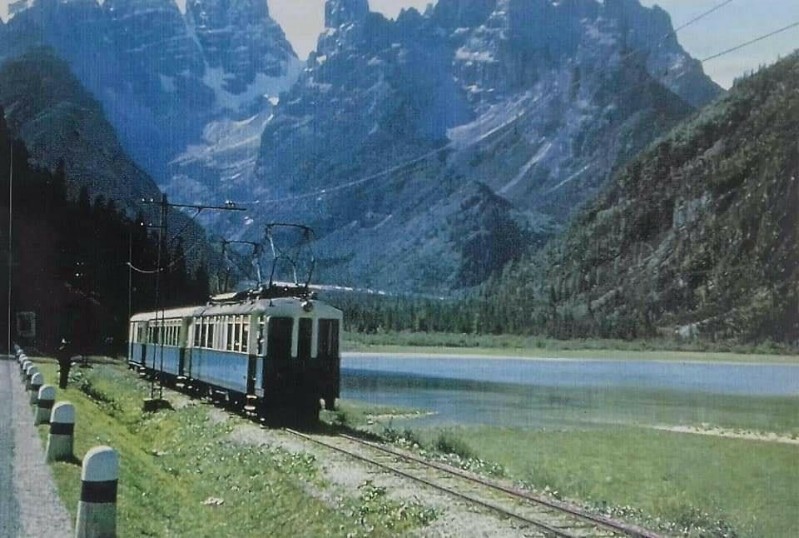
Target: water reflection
<point x="567" y="394"/>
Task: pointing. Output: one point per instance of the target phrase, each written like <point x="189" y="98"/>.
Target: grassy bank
<point x="181" y="475"/>
<point x="537" y="347"/>
<point x="704" y="486"/>
<point x="680" y="483"/>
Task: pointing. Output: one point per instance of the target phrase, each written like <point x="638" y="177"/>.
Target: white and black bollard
<point x="44" y="404"/>
<point x="30" y="371"/>
<point x="23" y="368"/>
<point x="37" y="380"/>
<point x="61" y="439"/>
<point x="97" y="509"/>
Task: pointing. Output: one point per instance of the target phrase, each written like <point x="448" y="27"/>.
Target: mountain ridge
<point x="697" y="237"/>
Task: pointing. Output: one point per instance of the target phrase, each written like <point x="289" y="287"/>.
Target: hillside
<point x="60" y="122"/>
<point x="695" y="237"/>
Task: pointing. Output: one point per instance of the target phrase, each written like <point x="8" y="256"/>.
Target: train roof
<point x="239" y="307"/>
<point x="171" y="313"/>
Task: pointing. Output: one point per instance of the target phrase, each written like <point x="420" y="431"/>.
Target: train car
<point x="275" y="349"/>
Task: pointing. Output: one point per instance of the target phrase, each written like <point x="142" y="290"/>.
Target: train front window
<point x="278" y="344"/>
<point x="328" y="338"/>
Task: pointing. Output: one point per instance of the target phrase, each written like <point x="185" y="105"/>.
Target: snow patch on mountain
<point x="263" y="88"/>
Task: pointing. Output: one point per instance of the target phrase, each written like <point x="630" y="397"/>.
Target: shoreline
<point x="500" y="354"/>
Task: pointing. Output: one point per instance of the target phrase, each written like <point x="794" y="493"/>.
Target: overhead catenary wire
<point x="166" y="268"/>
<point x="750" y="42"/>
<point x="698" y="18"/>
<point x="360" y="181"/>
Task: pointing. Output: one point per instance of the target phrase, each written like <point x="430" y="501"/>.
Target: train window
<point x="279" y="338"/>
<point x="209" y="336"/>
<point x="261" y="324"/>
<point x="328" y="339"/>
<point x="245" y="334"/>
<point x="229" y="343"/>
<point x="304" y="343"/>
<point x="237" y="334"/>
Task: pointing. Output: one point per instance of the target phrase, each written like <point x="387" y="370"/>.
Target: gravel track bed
<point x="344" y="475"/>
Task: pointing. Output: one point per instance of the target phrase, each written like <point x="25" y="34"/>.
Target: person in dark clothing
<point x="64" y="358"/>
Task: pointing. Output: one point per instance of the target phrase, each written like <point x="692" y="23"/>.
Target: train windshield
<point x="278" y="344"/>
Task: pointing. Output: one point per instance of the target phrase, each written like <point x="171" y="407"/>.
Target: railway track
<point x="542" y="516"/>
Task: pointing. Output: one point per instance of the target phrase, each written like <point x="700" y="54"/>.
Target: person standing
<point x="64" y="358"/>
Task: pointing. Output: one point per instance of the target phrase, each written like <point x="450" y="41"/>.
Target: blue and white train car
<point x="278" y="352"/>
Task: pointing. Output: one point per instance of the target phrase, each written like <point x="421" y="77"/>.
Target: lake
<point x="550" y="393"/>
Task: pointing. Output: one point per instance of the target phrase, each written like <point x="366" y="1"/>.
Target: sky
<point x="733" y="24"/>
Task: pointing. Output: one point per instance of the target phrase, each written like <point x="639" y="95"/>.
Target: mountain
<point x="698" y="236"/>
<point x="162" y="77"/>
<point x="383" y="138"/>
<point x="62" y="124"/>
<point x="415" y="146"/>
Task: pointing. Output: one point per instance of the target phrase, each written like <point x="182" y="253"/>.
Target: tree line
<point x="80" y="264"/>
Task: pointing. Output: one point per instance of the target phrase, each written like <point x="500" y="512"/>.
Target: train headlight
<point x="307" y="306"/>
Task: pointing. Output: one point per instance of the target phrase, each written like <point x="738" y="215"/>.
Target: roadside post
<point x="44" y="404"/>
<point x="37" y="380"/>
<point x="97" y="509"/>
<point x="60" y="441"/>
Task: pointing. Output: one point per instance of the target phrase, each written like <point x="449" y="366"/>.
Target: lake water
<point x="576" y="393"/>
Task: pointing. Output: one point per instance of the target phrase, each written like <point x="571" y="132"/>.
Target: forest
<point x="80" y="265"/>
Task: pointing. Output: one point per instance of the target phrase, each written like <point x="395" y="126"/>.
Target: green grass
<point x="700" y="486"/>
<point x="173" y="461"/>
<point x="536" y="347"/>
<point x="683" y="484"/>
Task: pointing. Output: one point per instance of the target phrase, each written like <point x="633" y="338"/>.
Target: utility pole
<point x="10" y="242"/>
<point x="154" y="403"/>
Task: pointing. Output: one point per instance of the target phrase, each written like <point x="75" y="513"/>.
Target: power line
<point x="681" y="27"/>
<point x="396" y="168"/>
<point x="699" y="17"/>
<point x="750" y="42"/>
<point x="360" y="181"/>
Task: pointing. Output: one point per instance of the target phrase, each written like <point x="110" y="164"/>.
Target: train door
<point x="279" y="340"/>
<point x="184" y="343"/>
<point x="305" y="339"/>
<point x="329" y="359"/>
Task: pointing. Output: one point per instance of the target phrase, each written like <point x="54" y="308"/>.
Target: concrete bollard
<point x="23" y="368"/>
<point x="30" y="371"/>
<point x="60" y="441"/>
<point x="97" y="509"/>
<point x="37" y="380"/>
<point x="44" y="404"/>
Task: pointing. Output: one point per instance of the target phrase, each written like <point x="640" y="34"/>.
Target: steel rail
<point x="609" y="524"/>
<point x="528" y="521"/>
